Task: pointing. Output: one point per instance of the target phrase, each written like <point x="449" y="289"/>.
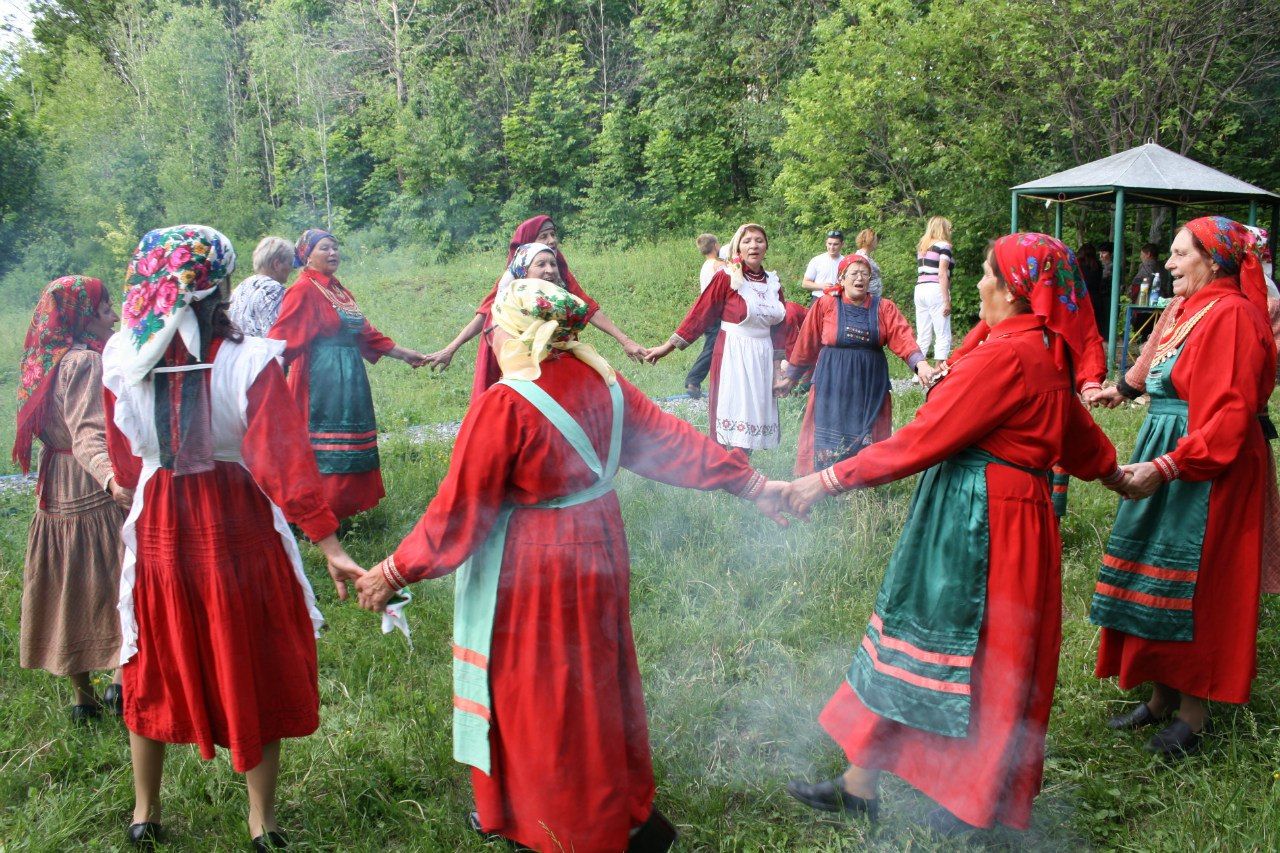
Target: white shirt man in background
<point x="823" y="269"/>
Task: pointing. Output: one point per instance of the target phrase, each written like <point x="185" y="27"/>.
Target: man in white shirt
<point x="709" y="246"/>
<point x="823" y="269"/>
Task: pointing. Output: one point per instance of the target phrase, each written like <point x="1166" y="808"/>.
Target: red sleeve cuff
<point x="831" y="482"/>
<point x="1114" y="478"/>
<point x="754" y="486"/>
<point x="1167" y="467"/>
<point x="391" y="574"/>
<point x="318" y="524"/>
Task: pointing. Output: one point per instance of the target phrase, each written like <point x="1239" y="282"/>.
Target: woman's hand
<point x="946" y="306"/>
<point x="770" y="502"/>
<point x="1142" y="480"/>
<point x="783" y="386"/>
<point x="440" y="359"/>
<point x="1107" y="398"/>
<point x="634" y="351"/>
<point x="373" y="590"/>
<point x="341" y="567"/>
<point x="661" y="351"/>
<point x="801" y="495"/>
<point x="925" y="372"/>
<point x="122" y="496"/>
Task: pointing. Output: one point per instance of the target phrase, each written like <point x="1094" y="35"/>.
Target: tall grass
<point x="743" y="632"/>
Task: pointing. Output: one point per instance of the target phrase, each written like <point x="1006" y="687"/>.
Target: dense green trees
<point x="442" y="122"/>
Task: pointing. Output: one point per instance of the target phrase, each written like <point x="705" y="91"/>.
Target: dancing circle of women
<point x="181" y="442"/>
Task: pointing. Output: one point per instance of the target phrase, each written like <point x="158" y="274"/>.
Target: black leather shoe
<point x="83" y="714"/>
<point x="113" y="699"/>
<point x="1136" y="719"/>
<point x="832" y="797"/>
<point x="268" y="841"/>
<point x="1175" y="740"/>
<point x="145" y="835"/>
<point x="944" y="823"/>
<point x="655" y="835"/>
<point x="473" y="822"/>
<point x="694" y="391"/>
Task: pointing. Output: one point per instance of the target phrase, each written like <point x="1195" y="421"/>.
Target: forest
<point x="438" y="124"/>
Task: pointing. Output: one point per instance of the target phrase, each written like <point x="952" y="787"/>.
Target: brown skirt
<point x="71" y="584"/>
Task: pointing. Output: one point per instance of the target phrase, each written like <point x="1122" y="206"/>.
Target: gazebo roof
<point x="1147" y="173"/>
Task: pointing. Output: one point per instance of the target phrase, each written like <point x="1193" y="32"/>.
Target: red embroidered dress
<point x="1225" y="372"/>
<point x="1008" y="399"/>
<point x="218" y="618"/>
<point x="568" y="740"/>
<point x="325" y="338"/>
<point x="820" y="329"/>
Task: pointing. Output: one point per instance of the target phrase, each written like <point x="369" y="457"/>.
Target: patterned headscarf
<point x="518" y="265"/>
<point x="1235" y="250"/>
<point x="66" y="306"/>
<point x="847" y="261"/>
<point x="307" y="244"/>
<point x="541" y="316"/>
<point x="171" y="270"/>
<point x="1043" y="271"/>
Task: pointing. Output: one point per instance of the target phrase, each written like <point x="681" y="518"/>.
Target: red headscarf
<point x="843" y="267"/>
<point x="527" y="232"/>
<point x="1236" y="251"/>
<point x="66" y="306"/>
<point x="1042" y="270"/>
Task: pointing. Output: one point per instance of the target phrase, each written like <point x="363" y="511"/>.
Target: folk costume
<point x="741" y="408"/>
<point x="487" y="369"/>
<point x="327" y="340"/>
<point x="218" y="619"/>
<point x="953" y="681"/>
<point x="71" y="574"/>
<point x="548" y="705"/>
<point x="849" y="405"/>
<point x="1089" y="357"/>
<point x="1177" y="597"/>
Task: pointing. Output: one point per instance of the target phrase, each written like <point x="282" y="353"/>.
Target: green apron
<point x="475" y="594"/>
<point x="1151" y="561"/>
<point x="915" y="660"/>
<point x="343" y="431"/>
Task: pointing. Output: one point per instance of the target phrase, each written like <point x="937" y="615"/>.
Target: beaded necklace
<point x="340" y="298"/>
<point x="1169" y="345"/>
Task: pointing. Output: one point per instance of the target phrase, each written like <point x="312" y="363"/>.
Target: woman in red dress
<point x="326" y="337"/>
<point x="548" y="705"/>
<point x="952" y="684"/>
<point x="538" y="229"/>
<point x="1177" y="597"/>
<point x="850" y="372"/>
<point x="218" y="619"/>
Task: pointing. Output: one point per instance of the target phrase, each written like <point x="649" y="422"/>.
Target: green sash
<point x="915" y="659"/>
<point x="343" y="431"/>
<point x="475" y="594"/>
<point x="1149" y="566"/>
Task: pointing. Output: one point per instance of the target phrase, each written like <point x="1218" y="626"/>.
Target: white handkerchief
<point x="394" y="618"/>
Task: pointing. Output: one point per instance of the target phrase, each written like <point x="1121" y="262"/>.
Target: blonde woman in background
<point x="255" y="303"/>
<point x="867" y="241"/>
<point x="933" y="288"/>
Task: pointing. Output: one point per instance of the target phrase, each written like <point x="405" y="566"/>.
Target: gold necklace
<point x="340" y="299"/>
<point x="1166" y="348"/>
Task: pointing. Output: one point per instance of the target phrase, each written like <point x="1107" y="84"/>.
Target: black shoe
<point x="269" y="841"/>
<point x="944" y="823"/>
<point x="146" y="835"/>
<point x="1175" y="740"/>
<point x="694" y="391"/>
<point x="1137" y="718"/>
<point x="655" y="835"/>
<point x="83" y="714"/>
<point x="832" y="797"/>
<point x="473" y="822"/>
<point x="113" y="699"/>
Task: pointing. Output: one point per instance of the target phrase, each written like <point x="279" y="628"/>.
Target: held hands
<point x="341" y="567"/>
<point x="1107" y="398"/>
<point x="414" y="359"/>
<point x="1141" y="480"/>
<point x="634" y="351"/>
<point x="373" y="590"/>
<point x="926" y="373"/>
<point x="654" y="354"/>
<point x="782" y="386"/>
<point x="801" y="495"/>
<point x="770" y="502"/>
<point x="440" y="360"/>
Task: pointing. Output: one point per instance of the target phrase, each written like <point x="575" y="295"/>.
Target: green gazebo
<point x="1147" y="175"/>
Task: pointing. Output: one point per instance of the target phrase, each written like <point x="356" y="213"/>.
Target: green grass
<point x="742" y="631"/>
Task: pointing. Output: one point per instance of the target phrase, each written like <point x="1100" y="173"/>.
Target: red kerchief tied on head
<point x="1236" y="251"/>
<point x="1042" y="270"/>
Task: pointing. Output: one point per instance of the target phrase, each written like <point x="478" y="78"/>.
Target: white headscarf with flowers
<point x="171" y="270"/>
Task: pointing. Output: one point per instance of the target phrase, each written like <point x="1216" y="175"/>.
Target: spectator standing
<point x="255" y="303"/>
<point x="709" y="246"/>
<point x="823" y="270"/>
<point x="933" y="288"/>
<point x="867" y="241"/>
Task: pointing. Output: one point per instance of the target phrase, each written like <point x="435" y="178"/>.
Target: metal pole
<point x="1275" y="223"/>
<point x="1057" y="220"/>
<point x="1013" y="213"/>
<point x="1117" y="263"/>
<point x="1253" y="212"/>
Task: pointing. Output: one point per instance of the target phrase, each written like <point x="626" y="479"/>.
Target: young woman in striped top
<point x="933" y="288"/>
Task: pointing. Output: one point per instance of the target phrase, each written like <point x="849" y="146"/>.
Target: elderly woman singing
<point x="1178" y="593"/>
<point x="548" y="706"/>
<point x="952" y="683"/>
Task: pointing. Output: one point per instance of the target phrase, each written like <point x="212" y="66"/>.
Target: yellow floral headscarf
<point x="541" y="316"/>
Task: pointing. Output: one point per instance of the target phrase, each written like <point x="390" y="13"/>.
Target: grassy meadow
<point x="743" y="632"/>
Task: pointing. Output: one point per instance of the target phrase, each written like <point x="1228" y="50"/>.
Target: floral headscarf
<point x="1235" y="250"/>
<point x="1042" y="270"/>
<point x="307" y="244"/>
<point x="518" y="265"/>
<point x="541" y="316"/>
<point x="66" y="306"/>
